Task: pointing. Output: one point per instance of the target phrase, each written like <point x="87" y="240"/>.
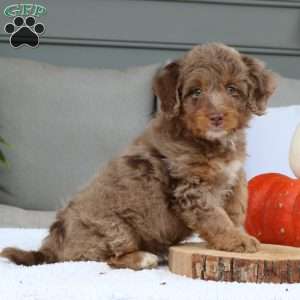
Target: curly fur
<point x="182" y="175"/>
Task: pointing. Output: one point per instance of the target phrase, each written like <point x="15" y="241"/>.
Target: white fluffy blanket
<point x="96" y="281"/>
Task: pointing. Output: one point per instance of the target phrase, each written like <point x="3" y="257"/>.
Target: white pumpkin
<point x="295" y="153"/>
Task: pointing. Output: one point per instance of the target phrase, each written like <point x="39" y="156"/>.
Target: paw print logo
<point x="24" y="32"/>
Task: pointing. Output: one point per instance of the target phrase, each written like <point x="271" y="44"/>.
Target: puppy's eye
<point x="196" y="93"/>
<point x="232" y="90"/>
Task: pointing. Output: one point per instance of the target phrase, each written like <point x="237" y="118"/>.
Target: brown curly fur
<point x="183" y="175"/>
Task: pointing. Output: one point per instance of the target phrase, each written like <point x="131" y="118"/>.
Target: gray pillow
<point x="287" y="92"/>
<point x="64" y="124"/>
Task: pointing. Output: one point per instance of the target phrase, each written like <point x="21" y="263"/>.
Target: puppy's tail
<point x="48" y="253"/>
<point x="28" y="258"/>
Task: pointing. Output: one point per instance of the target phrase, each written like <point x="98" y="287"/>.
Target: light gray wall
<point x="121" y="33"/>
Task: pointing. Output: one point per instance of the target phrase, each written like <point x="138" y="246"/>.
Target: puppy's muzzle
<point x="216" y="120"/>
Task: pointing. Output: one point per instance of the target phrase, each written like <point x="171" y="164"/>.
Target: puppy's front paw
<point x="236" y="241"/>
<point x="246" y="243"/>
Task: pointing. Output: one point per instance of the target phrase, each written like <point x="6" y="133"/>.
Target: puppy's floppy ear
<point x="166" y="87"/>
<point x="263" y="83"/>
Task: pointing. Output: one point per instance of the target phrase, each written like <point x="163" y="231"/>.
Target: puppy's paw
<point x="236" y="241"/>
<point x="136" y="260"/>
<point x="149" y="261"/>
<point x="246" y="243"/>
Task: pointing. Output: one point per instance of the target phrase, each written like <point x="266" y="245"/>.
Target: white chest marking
<point x="231" y="170"/>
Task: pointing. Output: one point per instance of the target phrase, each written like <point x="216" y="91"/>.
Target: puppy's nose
<point x="217" y="119"/>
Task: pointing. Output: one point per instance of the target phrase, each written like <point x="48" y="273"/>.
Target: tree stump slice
<point x="273" y="263"/>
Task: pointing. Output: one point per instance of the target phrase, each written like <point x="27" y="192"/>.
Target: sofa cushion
<point x="63" y="124"/>
<point x="287" y="92"/>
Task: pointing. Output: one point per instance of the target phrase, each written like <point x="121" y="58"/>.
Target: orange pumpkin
<point x="273" y="214"/>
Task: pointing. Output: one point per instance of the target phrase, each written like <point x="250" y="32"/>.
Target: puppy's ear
<point x="166" y="87"/>
<point x="263" y="83"/>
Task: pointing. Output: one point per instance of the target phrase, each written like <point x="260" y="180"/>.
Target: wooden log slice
<point x="273" y="263"/>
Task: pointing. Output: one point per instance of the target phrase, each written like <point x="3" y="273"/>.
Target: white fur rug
<point x="96" y="281"/>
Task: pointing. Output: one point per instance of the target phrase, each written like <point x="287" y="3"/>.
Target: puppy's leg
<point x="124" y="244"/>
<point x="214" y="225"/>
<point x="136" y="260"/>
<point x="236" y="203"/>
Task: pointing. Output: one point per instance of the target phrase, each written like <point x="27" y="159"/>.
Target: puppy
<point x="183" y="175"/>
